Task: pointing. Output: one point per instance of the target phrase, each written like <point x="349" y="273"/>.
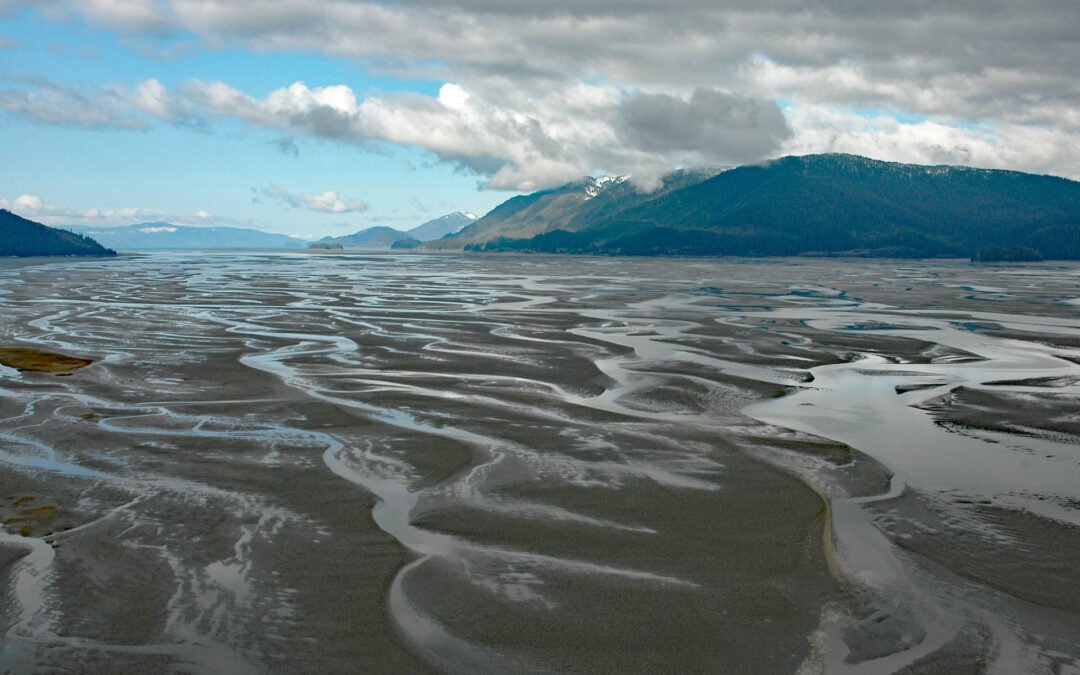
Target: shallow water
<point x="542" y="463"/>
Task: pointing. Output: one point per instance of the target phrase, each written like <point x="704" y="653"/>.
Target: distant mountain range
<point x="442" y="226"/>
<point x="24" y="238"/>
<point x="570" y="208"/>
<point x="379" y="236"/>
<point x="813" y="205"/>
<point x="164" y="236"/>
<point x="386" y="237"/>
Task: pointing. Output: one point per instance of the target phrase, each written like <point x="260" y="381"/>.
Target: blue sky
<point x="171" y="171"/>
<point x="316" y="118"/>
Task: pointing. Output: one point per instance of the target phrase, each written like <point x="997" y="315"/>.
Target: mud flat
<point x="401" y="463"/>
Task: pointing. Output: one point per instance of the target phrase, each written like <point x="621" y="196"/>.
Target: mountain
<point x="569" y="208"/>
<point x="22" y="237"/>
<point x="387" y="237"/>
<point x="442" y="226"/>
<point x="373" y="237"/>
<point x="812" y="205"/>
<point x="158" y="236"/>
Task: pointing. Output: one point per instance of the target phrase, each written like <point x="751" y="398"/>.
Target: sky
<point x="324" y="118"/>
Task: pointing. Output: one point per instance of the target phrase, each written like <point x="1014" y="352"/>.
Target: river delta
<point x="396" y="463"/>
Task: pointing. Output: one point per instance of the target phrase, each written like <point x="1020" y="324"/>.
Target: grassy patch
<point x="35" y="360"/>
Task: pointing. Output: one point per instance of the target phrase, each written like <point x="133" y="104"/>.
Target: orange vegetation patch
<point x="28" y="358"/>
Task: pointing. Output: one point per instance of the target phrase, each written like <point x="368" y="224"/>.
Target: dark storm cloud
<point x="963" y="57"/>
<point x="719" y="126"/>
<point x="556" y="88"/>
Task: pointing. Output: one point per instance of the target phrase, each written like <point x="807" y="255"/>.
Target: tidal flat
<point x="407" y="463"/>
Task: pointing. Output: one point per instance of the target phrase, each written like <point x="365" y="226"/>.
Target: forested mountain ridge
<point x="24" y="238"/>
<point x="571" y="207"/>
<point x="824" y="205"/>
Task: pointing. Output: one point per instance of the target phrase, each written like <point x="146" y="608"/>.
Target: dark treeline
<point x="23" y="238"/>
<point x="836" y="205"/>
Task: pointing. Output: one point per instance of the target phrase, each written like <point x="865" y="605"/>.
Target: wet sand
<point x="398" y="463"/>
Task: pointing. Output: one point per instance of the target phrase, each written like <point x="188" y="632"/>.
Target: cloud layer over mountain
<point x="540" y="93"/>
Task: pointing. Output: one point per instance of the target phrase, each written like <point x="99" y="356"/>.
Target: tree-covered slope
<point x="379" y="236"/>
<point x="441" y="226"/>
<point x="22" y="237"/>
<point x="572" y="207"/>
<point x="836" y="204"/>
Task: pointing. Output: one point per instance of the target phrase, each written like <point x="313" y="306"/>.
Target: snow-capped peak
<point x="470" y="215"/>
<point x="605" y="181"/>
<point x="597" y="185"/>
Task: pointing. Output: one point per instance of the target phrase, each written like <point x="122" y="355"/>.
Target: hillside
<point x="373" y="237"/>
<point x="570" y="208"/>
<point x="166" y="236"/>
<point x="24" y="238"/>
<point x="813" y="205"/>
<point x="441" y="226"/>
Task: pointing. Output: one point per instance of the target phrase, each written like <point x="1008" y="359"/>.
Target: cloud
<point x="325" y="202"/>
<point x="975" y="59"/>
<point x="37" y="209"/>
<point x="522" y="141"/>
<point x="540" y="93"/>
<point x="672" y="47"/>
<point x="133" y="16"/>
<point x="884" y="136"/>
<point x="714" y="125"/>
<point x="113" y="106"/>
<point x="152" y="97"/>
<point x="46" y="102"/>
<point x="287" y="145"/>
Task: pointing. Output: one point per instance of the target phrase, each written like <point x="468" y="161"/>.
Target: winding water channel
<point x="466" y="463"/>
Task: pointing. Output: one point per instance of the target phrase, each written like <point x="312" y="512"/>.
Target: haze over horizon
<point x="316" y="119"/>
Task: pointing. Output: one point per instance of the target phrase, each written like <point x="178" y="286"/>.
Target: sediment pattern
<point x="296" y="462"/>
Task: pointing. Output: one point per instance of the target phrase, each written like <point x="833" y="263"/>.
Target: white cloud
<point x="453" y="96"/>
<point x="540" y="93"/>
<point x="48" y="102"/>
<point x="141" y="16"/>
<point x="324" y="202"/>
<point x="884" y="136"/>
<point x="518" y="141"/>
<point x="37" y="209"/>
<point x="28" y="203"/>
<point x="670" y="47"/>
<point x="151" y="96"/>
